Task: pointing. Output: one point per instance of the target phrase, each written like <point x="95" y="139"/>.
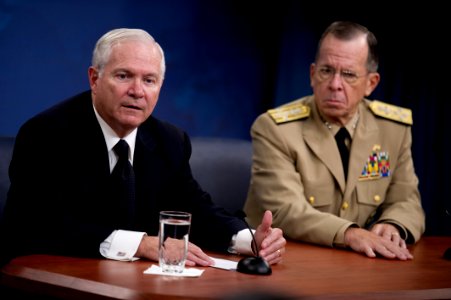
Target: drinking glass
<point x="173" y="240"/>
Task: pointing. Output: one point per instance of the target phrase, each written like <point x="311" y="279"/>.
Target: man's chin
<point x="131" y="122"/>
<point x="333" y="110"/>
<point x="333" y="114"/>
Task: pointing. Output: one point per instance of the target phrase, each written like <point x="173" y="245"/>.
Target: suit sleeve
<point x="46" y="197"/>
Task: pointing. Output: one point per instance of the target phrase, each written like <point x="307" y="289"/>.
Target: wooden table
<point x="307" y="272"/>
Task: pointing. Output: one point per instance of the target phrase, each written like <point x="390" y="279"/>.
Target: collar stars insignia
<point x="289" y="113"/>
<point x="392" y="112"/>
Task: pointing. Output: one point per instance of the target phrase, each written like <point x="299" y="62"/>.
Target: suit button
<point x="345" y="205"/>
<point x="377" y="198"/>
<point x="311" y="199"/>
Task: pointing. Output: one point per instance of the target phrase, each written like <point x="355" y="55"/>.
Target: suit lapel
<point x="365" y="137"/>
<point x="148" y="173"/>
<point x="146" y="161"/>
<point x="91" y="151"/>
<point x="320" y="141"/>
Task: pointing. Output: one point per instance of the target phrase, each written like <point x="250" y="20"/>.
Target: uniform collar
<point x="350" y="126"/>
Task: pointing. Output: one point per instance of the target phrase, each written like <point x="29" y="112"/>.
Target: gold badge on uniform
<point x="377" y="165"/>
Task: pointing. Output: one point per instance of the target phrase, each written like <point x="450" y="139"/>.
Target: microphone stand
<point x="254" y="245"/>
<point x="256" y="264"/>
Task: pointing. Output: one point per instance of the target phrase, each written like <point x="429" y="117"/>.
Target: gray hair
<point x="346" y="31"/>
<point x="104" y="45"/>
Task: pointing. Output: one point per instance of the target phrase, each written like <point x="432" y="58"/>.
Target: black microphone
<point x="256" y="264"/>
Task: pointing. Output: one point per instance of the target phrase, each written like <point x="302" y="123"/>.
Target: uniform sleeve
<point x="402" y="203"/>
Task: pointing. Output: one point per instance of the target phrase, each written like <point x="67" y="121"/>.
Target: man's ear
<point x="93" y="75"/>
<point x="372" y="82"/>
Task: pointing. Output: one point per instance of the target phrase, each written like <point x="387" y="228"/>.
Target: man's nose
<point x="137" y="89"/>
<point x="336" y="81"/>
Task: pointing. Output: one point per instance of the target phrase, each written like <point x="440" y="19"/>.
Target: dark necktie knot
<point x="342" y="134"/>
<point x="123" y="167"/>
<point x="340" y="138"/>
<point x="121" y="149"/>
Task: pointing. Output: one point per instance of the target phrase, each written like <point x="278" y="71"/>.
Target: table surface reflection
<point x="307" y="272"/>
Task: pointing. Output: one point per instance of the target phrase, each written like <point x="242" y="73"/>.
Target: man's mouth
<point x="132" y="107"/>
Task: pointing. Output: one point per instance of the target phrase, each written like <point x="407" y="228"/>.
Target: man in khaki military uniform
<point x="297" y="170"/>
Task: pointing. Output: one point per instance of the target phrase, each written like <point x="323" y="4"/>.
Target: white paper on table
<point x="224" y="264"/>
<point x="187" y="272"/>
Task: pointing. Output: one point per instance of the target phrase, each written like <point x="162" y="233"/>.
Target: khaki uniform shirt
<point x="298" y="175"/>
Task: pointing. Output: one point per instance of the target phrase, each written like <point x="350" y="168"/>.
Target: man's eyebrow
<point x="122" y="70"/>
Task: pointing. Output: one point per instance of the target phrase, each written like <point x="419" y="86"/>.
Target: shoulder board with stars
<point x="392" y="112"/>
<point x="290" y="112"/>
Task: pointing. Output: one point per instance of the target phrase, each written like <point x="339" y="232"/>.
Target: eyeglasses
<point x="326" y="73"/>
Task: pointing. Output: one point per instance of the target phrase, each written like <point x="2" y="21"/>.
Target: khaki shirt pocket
<point x="323" y="197"/>
<point x="370" y="195"/>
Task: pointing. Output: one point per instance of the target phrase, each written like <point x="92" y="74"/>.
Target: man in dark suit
<point x="62" y="199"/>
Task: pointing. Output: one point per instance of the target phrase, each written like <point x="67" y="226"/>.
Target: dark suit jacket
<point x="60" y="200"/>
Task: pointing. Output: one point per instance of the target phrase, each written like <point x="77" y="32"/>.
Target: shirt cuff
<point x="241" y="243"/>
<point x="121" y="245"/>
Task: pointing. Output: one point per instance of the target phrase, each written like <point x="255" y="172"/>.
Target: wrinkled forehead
<point x="348" y="52"/>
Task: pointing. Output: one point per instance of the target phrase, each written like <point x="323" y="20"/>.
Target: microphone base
<point x="254" y="265"/>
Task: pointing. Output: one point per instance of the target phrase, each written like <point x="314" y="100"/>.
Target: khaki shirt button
<point x="311" y="199"/>
<point x="345" y="205"/>
<point x="377" y="198"/>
